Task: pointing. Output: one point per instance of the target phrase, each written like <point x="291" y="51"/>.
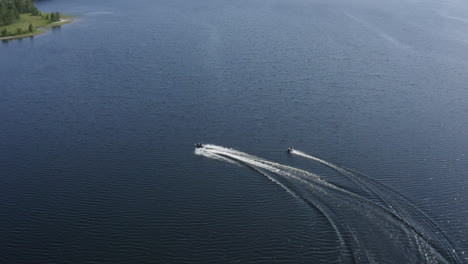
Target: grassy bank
<point x="40" y="24"/>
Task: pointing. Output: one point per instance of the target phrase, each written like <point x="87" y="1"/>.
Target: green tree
<point x="10" y="10"/>
<point x="16" y="13"/>
<point x="35" y="11"/>
<point x="23" y="6"/>
<point x="31" y="28"/>
<point x="8" y="17"/>
<point x="19" y="31"/>
<point x="55" y="16"/>
<point x="4" y="32"/>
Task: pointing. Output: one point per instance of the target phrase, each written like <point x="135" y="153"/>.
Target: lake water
<point x="99" y="117"/>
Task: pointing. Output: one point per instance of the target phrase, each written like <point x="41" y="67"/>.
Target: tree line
<point x="10" y="10"/>
<point x="54" y="16"/>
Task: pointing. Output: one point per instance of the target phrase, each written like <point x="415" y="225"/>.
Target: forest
<point x="22" y="18"/>
<point x="10" y="10"/>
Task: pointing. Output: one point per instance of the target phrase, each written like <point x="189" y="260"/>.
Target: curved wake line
<point x="360" y="234"/>
<point x="387" y="195"/>
<point x="262" y="166"/>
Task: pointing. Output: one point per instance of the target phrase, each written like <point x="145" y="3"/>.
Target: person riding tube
<point x="199" y="145"/>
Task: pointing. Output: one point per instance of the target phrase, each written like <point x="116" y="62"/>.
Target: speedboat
<point x="290" y="149"/>
<point x="199" y="145"/>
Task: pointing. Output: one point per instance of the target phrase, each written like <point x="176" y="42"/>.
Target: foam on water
<point x="379" y="226"/>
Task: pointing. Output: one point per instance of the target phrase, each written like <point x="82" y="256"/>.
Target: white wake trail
<point x="368" y="231"/>
<point x="263" y="167"/>
<point x="211" y="155"/>
<point x="398" y="205"/>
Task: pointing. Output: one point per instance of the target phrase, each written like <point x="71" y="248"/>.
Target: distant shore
<point x="40" y="26"/>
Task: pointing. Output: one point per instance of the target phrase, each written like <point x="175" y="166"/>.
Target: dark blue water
<point x="98" y="120"/>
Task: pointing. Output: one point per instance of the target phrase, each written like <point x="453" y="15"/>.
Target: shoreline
<point x="41" y="30"/>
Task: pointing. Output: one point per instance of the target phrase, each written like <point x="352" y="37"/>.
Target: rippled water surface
<point x="98" y="120"/>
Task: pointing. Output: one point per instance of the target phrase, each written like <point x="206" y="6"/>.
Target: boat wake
<point x="374" y="225"/>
